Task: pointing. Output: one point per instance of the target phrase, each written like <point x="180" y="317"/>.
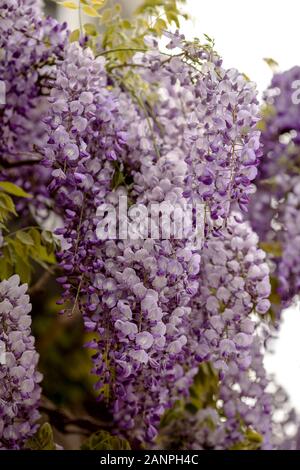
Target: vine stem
<point x="80" y="18"/>
<point x="122" y="49"/>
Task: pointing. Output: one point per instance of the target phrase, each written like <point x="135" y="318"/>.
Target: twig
<point x="9" y="165"/>
<point x="62" y="420"/>
<point x="41" y="284"/>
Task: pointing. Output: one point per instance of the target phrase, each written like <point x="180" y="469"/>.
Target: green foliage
<point x="90" y="29"/>
<point x="119" y="34"/>
<point x="121" y="177"/>
<point x="252" y="441"/>
<point x="64" y="361"/>
<point x="25" y="247"/>
<point x="42" y="440"/>
<point x="89" y="7"/>
<point x="271" y="63"/>
<point x="267" y="112"/>
<point x="272" y="248"/>
<point x="13" y="189"/>
<point x="75" y="35"/>
<point x="7" y="205"/>
<point x="103" y="440"/>
<point x="204" y="393"/>
<point x="7" y="208"/>
<point x="124" y="37"/>
<point x="168" y="8"/>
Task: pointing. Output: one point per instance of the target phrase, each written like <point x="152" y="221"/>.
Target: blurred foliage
<point x="42" y="440"/>
<point x="271" y="63"/>
<point x="7" y="205"/>
<point x="252" y="441"/>
<point x="24" y="248"/>
<point x="103" y="440"/>
<point x="272" y="248"/>
<point x="64" y="361"/>
<point x="121" y="37"/>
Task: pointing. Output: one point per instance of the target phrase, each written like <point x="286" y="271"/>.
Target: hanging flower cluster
<point x="19" y="379"/>
<point x="238" y="416"/>
<point x="234" y="285"/>
<point x="274" y="212"/>
<point x="136" y="294"/>
<point x="30" y="49"/>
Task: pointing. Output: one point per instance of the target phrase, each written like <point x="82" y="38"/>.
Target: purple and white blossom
<point x="234" y="287"/>
<point x="19" y="379"/>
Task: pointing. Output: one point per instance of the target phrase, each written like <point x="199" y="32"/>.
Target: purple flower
<point x="19" y="385"/>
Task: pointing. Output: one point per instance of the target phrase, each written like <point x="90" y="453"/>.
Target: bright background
<point x="245" y="32"/>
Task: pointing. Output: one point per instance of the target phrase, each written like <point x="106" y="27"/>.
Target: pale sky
<point x="247" y="31"/>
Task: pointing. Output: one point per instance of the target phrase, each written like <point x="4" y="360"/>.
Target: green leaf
<point x="254" y="436"/>
<point x="208" y="38"/>
<point x="75" y="35"/>
<point x="90" y="11"/>
<point x="160" y="25"/>
<point x="24" y="237"/>
<point x="252" y="441"/>
<point x="148" y="5"/>
<point x="118" y="179"/>
<point x="13" y="189"/>
<point x="6" y="264"/>
<point x="172" y="18"/>
<point x="23" y="268"/>
<point x="42" y="440"/>
<point x="71" y="5"/>
<point x="103" y="440"/>
<point x="47" y="236"/>
<point x="106" y="15"/>
<point x="271" y="63"/>
<point x="272" y="248"/>
<point x="90" y="29"/>
<point x="24" y="247"/>
<point x="7" y="204"/>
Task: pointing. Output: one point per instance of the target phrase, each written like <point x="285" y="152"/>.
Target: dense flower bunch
<point x="215" y="111"/>
<point x="142" y="305"/>
<point x="85" y="138"/>
<point x="137" y="294"/>
<point x="237" y="417"/>
<point x="234" y="285"/>
<point x="19" y="389"/>
<point x="274" y="211"/>
<point x="127" y="285"/>
<point x="176" y="129"/>
<point x="245" y="395"/>
<point x="30" y="48"/>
